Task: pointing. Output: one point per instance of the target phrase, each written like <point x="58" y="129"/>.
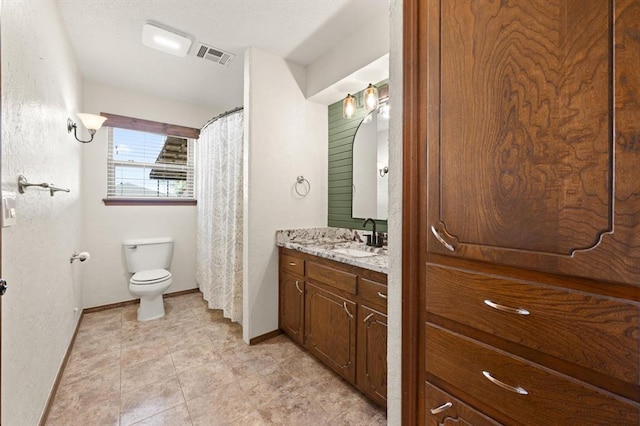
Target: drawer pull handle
<point x="292" y="263"/>
<point x="441" y="408"/>
<point x="518" y="311"/>
<point x="442" y="241"/>
<point x="516" y="389"/>
<point x="344" y="305"/>
<point x="368" y="318"/>
<point x="298" y="287"/>
<point x="382" y="295"/>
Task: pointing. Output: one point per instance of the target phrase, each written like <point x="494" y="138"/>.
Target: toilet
<point x="149" y="259"/>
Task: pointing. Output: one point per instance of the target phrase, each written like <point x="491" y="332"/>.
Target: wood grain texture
<point x="551" y="399"/>
<point x="337" y="278"/>
<point x="120" y="121"/>
<point x="372" y="354"/>
<point x="330" y="331"/>
<point x="291" y="305"/>
<point x="587" y="329"/>
<point x="458" y="414"/>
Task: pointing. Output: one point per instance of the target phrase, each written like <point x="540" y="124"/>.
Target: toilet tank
<point x="148" y="253"/>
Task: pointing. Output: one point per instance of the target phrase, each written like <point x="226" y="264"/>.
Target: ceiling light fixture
<point x="165" y="39"/>
<point x="90" y="121"/>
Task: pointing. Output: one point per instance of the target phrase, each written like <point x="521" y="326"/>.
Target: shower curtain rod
<point x="217" y="117"/>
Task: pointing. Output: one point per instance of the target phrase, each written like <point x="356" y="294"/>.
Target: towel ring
<point x="300" y="180"/>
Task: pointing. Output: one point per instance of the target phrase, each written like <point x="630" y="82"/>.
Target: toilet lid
<point x="150" y="275"/>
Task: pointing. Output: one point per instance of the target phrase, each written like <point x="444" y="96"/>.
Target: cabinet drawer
<point x="527" y="393"/>
<point x="292" y="264"/>
<point x="593" y="331"/>
<point x="442" y="408"/>
<point x="333" y="277"/>
<point x="373" y="293"/>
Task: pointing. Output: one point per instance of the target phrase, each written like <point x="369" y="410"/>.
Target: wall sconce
<point x="370" y="99"/>
<point x="90" y="121"/>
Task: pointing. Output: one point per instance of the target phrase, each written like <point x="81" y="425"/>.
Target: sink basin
<point x="353" y="252"/>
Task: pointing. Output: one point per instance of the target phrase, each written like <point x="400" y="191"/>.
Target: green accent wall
<point x="341" y="134"/>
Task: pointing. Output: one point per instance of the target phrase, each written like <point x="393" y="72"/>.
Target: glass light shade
<point x="348" y="106"/>
<point x="371" y="97"/>
<point x="92" y="121"/>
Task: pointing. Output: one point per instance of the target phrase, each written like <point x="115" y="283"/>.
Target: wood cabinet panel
<point x="443" y="409"/>
<point x="372" y="354"/>
<point x="341" y="280"/>
<point x="521" y="390"/>
<point x="292" y="264"/>
<point x="373" y="293"/>
<point x="524" y="152"/>
<point x="330" y="330"/>
<point x="291" y="315"/>
<point x="590" y="330"/>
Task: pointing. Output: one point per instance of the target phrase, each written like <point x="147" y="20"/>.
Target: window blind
<point x="149" y="165"/>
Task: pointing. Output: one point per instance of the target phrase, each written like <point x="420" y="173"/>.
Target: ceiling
<point x="106" y="36"/>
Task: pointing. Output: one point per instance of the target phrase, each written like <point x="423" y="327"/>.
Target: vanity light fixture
<point x="90" y="121"/>
<point x="348" y="106"/>
<point x="370" y="99"/>
<point x="165" y="39"/>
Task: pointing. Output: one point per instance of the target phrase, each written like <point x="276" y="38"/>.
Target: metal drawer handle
<point x="516" y="389"/>
<point x="298" y="287"/>
<point x="367" y="318"/>
<point x="442" y="241"/>
<point x="384" y="296"/>
<point x="292" y="263"/>
<point x="344" y="305"/>
<point x="441" y="408"/>
<point x="518" y="311"/>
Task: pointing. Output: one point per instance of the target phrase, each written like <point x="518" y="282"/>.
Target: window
<point x="149" y="166"/>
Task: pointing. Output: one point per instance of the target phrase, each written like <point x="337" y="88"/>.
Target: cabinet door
<point x="330" y="330"/>
<point x="443" y="409"/>
<point x="292" y="306"/>
<point x="529" y="167"/>
<point x="372" y="354"/>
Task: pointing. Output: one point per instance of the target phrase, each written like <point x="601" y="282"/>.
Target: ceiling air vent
<point x="214" y="54"/>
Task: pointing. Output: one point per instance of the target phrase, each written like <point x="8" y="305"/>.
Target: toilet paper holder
<point x="82" y="256"/>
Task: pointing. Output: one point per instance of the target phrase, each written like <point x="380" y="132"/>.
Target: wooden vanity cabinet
<point x="341" y="310"/>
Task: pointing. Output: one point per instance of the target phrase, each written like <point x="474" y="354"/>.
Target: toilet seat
<point x="151" y="276"/>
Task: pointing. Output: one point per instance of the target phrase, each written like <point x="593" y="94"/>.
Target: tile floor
<point x="192" y="368"/>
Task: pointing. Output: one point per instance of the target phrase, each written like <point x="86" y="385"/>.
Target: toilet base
<point x="150" y="308"/>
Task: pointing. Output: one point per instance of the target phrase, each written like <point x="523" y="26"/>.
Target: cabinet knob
<point x="441" y="408"/>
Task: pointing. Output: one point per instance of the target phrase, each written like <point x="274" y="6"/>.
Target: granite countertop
<point x="323" y="242"/>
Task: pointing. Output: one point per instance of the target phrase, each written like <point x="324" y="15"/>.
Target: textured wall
<point x="106" y="279"/>
<point x="40" y="89"/>
<point x="285" y="136"/>
<point x="341" y="134"/>
<point x="394" y="303"/>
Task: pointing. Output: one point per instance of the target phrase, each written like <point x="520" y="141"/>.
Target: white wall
<point x="41" y="87"/>
<point x="285" y="136"/>
<point x="366" y="45"/>
<point x="394" y="303"/>
<point x="106" y="279"/>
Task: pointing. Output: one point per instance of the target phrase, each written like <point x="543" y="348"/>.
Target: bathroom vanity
<point x="333" y="302"/>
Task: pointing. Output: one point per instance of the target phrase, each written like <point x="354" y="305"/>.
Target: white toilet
<point x="148" y="259"/>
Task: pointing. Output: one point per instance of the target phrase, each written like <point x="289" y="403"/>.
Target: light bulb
<point x="348" y="106"/>
<point x="371" y="97"/>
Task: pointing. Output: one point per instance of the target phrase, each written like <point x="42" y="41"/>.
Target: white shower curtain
<point x="219" y="231"/>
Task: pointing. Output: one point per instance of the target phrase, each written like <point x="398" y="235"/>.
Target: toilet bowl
<point x="149" y="259"/>
<point x="149" y="287"/>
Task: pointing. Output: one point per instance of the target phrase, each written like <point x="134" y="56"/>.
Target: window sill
<point x="149" y="202"/>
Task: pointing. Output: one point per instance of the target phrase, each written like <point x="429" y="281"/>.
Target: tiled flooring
<point x="192" y="368"/>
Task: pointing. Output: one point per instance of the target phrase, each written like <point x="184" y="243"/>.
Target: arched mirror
<point x="371" y="166"/>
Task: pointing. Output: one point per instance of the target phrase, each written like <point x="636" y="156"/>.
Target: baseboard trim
<point x="63" y="366"/>
<point x="263" y="337"/>
<point x="134" y="301"/>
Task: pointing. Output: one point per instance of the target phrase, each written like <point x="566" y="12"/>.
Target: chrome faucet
<point x="373" y="239"/>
